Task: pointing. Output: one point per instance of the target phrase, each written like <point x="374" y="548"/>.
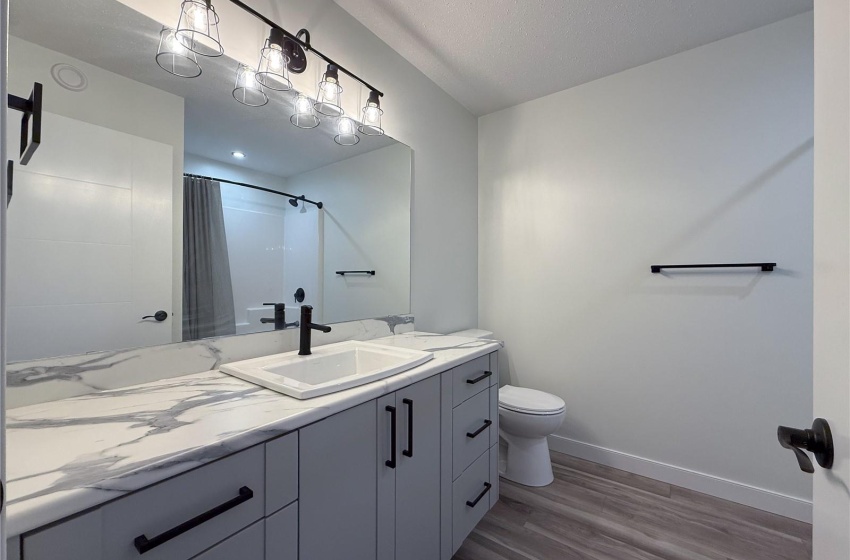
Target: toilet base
<point x="526" y="461"/>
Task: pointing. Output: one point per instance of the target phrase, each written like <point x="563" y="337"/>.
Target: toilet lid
<point x="529" y="401"/>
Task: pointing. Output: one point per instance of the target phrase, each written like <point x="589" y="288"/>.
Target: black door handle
<point x="144" y="544"/>
<point x="159" y="316"/>
<point x="409" y="451"/>
<point x="473" y="503"/>
<point x="818" y="440"/>
<point x="391" y="462"/>
<point x="481" y="377"/>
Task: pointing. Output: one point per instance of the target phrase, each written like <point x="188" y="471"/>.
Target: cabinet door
<point x="417" y="504"/>
<point x="282" y="534"/>
<point x="338" y="486"/>
<point x="247" y="544"/>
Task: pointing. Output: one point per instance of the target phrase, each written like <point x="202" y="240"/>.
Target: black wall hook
<point x="818" y="440"/>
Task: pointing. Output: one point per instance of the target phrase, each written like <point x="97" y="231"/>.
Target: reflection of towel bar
<point x="765" y="267"/>
<point x="366" y="272"/>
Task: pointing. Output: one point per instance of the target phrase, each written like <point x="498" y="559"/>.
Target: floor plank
<point x="594" y="512"/>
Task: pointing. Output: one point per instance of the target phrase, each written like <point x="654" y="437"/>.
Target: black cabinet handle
<point x="481" y="377"/>
<point x="144" y="544"/>
<point x="476" y="433"/>
<point x="409" y="451"/>
<point x="391" y="462"/>
<point x="483" y="493"/>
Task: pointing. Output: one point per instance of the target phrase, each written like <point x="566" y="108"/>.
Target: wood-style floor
<point x="595" y="512"/>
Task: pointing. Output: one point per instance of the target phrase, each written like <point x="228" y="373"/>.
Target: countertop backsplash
<point x="51" y="379"/>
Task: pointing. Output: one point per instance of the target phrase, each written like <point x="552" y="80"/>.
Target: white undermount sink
<point x="328" y="369"/>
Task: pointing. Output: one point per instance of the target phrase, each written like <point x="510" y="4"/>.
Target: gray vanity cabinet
<point x="409" y="473"/>
<point x="337" y="517"/>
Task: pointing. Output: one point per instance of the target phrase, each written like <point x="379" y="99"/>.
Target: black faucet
<point x="307" y="326"/>
<point x="279" y="317"/>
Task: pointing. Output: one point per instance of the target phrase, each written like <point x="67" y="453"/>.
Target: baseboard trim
<point x="752" y="496"/>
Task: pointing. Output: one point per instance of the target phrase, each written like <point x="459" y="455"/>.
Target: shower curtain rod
<point x="292" y="196"/>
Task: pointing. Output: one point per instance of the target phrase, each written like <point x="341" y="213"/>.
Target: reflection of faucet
<point x="279" y="317"/>
<point x="307" y="327"/>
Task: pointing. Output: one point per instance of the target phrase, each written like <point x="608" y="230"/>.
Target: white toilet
<point x="526" y="418"/>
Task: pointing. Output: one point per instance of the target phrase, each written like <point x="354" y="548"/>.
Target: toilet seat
<point x="530" y="401"/>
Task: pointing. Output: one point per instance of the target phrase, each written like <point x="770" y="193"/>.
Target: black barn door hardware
<point x="818" y="440"/>
<point x="366" y="272"/>
<point x="765" y="266"/>
<point x="31" y="108"/>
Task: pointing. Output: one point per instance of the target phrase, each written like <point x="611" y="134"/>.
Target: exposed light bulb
<point x="330" y="89"/>
<point x="249" y="79"/>
<point x="275" y="58"/>
<point x="303" y="105"/>
<point x="173" y="44"/>
<point x="197" y="16"/>
<point x="346" y="126"/>
<point x="372" y="114"/>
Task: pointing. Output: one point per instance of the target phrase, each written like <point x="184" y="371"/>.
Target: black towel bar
<point x="366" y="272"/>
<point x="765" y="266"/>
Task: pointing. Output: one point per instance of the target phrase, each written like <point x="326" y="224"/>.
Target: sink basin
<point x="328" y="369"/>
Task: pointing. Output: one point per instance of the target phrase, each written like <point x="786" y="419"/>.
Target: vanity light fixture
<point x="197" y="28"/>
<point x="371" y="124"/>
<point x="174" y="57"/>
<point x="304" y="115"/>
<point x="328" y="101"/>
<point x="238" y="155"/>
<point x="283" y="53"/>
<point x="248" y="90"/>
<point x="347" y="135"/>
<point x="273" y="71"/>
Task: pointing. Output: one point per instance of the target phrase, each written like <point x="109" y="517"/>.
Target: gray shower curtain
<point x="207" y="288"/>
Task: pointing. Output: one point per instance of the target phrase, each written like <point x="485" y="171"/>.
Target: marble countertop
<point x="66" y="456"/>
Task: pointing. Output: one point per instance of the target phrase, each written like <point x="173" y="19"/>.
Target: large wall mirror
<point x="136" y="202"/>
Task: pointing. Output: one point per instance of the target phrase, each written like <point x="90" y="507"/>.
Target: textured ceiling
<point x="492" y="54"/>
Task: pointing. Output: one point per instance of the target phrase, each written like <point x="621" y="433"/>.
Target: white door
<point x="4" y="37"/>
<point x="832" y="273"/>
<point x="89" y="241"/>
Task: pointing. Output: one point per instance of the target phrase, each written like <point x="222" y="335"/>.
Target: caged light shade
<point x="272" y="71"/>
<point x="248" y="90"/>
<point x="197" y="28"/>
<point x="371" y="124"/>
<point x="304" y="115"/>
<point x="173" y="56"/>
<point x="328" y="100"/>
<point x="347" y="135"/>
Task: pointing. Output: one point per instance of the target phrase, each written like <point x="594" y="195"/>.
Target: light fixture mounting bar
<point x="305" y="45"/>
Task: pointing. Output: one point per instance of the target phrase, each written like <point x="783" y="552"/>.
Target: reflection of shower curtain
<point x="207" y="290"/>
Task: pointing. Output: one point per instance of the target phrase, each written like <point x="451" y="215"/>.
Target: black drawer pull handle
<point x="143" y="544"/>
<point x="483" y="493"/>
<point x="481" y="377"/>
<point x="391" y="462"/>
<point x="409" y="451"/>
<point x="475" y="434"/>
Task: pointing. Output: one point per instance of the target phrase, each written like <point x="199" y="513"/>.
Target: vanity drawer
<point x="247" y="544"/>
<point x="471" y="425"/>
<point x="471" y="378"/>
<point x="230" y="491"/>
<point x="281" y="472"/>
<point x="470" y="499"/>
<point x="282" y="534"/>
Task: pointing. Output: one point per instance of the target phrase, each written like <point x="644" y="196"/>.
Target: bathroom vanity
<point x="210" y="467"/>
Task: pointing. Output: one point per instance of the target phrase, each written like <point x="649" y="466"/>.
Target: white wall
<point x="366" y="219"/>
<point x="418" y="113"/>
<point x="832" y="272"/>
<point x="705" y="156"/>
